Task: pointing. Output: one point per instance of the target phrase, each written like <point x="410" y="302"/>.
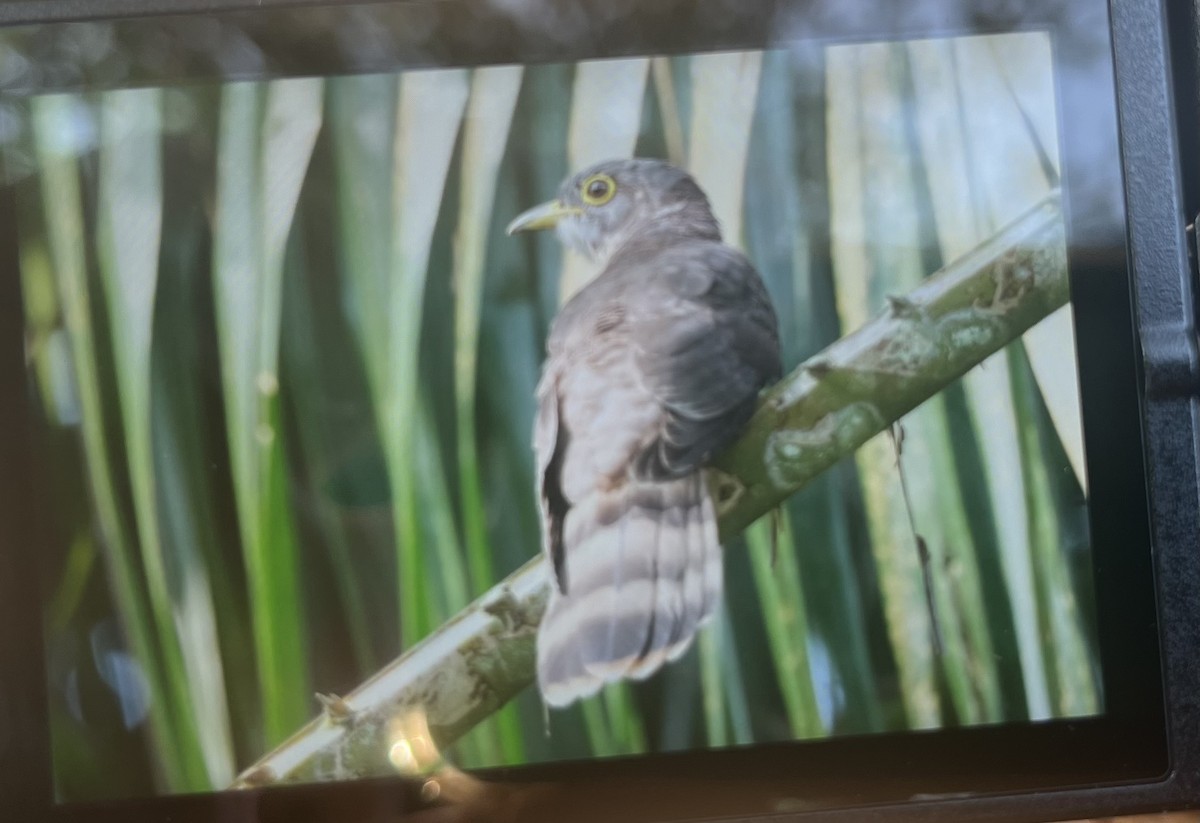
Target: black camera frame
<point x="1158" y="110"/>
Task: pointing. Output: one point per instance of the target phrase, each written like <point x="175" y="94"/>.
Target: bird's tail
<point x="643" y="571"/>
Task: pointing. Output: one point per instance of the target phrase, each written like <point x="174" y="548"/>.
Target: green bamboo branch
<point x="819" y="414"/>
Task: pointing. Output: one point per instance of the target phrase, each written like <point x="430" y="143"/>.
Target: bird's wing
<point x="549" y="445"/>
<point x="707" y="341"/>
<point x="595" y="414"/>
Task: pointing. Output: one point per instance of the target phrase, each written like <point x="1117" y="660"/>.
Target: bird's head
<point x="603" y="206"/>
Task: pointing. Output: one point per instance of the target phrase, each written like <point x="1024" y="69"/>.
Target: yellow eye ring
<point x="598" y="189"/>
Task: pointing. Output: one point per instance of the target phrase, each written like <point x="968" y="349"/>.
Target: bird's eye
<point x="598" y="189"/>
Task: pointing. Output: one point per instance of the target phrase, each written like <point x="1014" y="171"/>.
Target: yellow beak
<point x="545" y="216"/>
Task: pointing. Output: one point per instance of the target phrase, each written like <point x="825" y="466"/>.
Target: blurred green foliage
<point x="286" y="361"/>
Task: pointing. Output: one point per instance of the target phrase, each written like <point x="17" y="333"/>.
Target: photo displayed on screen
<point x="397" y="420"/>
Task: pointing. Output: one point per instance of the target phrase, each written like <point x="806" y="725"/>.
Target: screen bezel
<point x="1126" y="744"/>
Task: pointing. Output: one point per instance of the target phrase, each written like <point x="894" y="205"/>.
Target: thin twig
<point x="896" y="434"/>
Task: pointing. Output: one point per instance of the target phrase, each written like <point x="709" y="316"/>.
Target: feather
<point x="627" y="611"/>
<point x="550" y="445"/>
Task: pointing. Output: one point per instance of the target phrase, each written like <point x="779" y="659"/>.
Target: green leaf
<point x="862" y="102"/>
<point x="724" y="97"/>
<point x="489" y="116"/>
<point x="968" y="143"/>
<point x="265" y="143"/>
<point x="785" y="615"/>
<point x="129" y="233"/>
<point x="57" y="123"/>
<point x="1071" y="676"/>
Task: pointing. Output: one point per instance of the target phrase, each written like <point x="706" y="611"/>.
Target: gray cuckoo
<point x="651" y="369"/>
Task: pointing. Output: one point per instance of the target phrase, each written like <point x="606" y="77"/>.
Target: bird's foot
<point x="726" y="490"/>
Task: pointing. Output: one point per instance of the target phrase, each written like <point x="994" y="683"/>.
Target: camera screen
<point x="394" y="420"/>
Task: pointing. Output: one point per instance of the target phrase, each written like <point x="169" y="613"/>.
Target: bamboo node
<point x="336" y="709"/>
<point x="904" y="309"/>
<point x="818" y="367"/>
<point x="258" y="776"/>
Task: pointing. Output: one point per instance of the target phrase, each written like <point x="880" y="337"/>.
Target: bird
<point x="651" y="370"/>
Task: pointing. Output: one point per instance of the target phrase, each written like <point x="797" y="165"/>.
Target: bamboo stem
<point x="816" y="416"/>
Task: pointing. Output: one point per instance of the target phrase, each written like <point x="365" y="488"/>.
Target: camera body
<point x="1132" y="281"/>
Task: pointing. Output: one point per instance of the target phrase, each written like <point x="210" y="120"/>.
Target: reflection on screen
<point x="285" y="360"/>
